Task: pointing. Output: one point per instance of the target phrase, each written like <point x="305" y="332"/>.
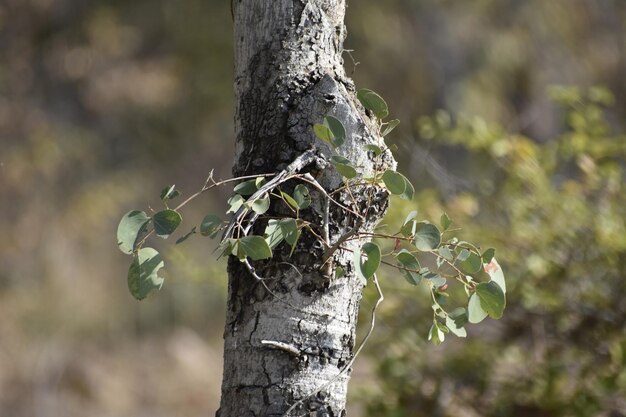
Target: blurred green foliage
<point x="556" y="211"/>
<point x="103" y="103"/>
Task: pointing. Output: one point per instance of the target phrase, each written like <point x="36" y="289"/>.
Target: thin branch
<point x="309" y="178"/>
<point x="206" y="187"/>
<point x="339" y="242"/>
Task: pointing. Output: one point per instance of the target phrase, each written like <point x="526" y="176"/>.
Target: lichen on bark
<point x="295" y="331"/>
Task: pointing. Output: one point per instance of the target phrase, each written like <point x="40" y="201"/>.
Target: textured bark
<point x="283" y="344"/>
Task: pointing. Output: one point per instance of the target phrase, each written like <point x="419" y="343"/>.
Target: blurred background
<point x="512" y="117"/>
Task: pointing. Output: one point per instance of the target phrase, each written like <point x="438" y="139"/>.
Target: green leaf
<point x="186" y="236"/>
<point x="247" y="187"/>
<point x="339" y="272"/>
<point x="337" y="129"/>
<point x="261" y="205"/>
<point x="390" y="126"/>
<point x="409" y="228"/>
<point x="373" y="102"/>
<point x="436" y="335"/>
<point x="409" y="261"/>
<point x="370" y="266"/>
<point x="235" y="203"/>
<point x="427" y="237"/>
<point x="302" y="196"/>
<point x="210" y="225"/>
<point x="398" y="184"/>
<point x="165" y="222"/>
<point x="445" y="221"/>
<point x="492" y="299"/>
<point x="142" y="274"/>
<point x="366" y="268"/>
<point x="324" y="133"/>
<point x="279" y="230"/>
<point x="488" y="255"/>
<point x="253" y="247"/>
<point x="494" y="271"/>
<point x="290" y="201"/>
<point x="463" y="255"/>
<point x="129" y="229"/>
<point x="169" y="193"/>
<point x="475" y="312"/>
<point x="446" y="253"/>
<point x="435" y="279"/>
<point x="394" y="182"/>
<point x="411" y="216"/>
<point x="459" y="315"/>
<point x="343" y="166"/>
<point x="459" y="331"/>
<point x="374" y="148"/>
<point x="471" y="264"/>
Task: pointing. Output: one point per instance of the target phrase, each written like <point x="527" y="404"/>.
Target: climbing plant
<point x="426" y="253"/>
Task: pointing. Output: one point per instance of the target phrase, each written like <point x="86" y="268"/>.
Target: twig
<point x="297" y="165"/>
<point x="309" y="178"/>
<point x="338" y="243"/>
<point x="291" y="349"/>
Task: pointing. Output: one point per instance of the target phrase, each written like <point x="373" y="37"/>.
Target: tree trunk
<point x="293" y="333"/>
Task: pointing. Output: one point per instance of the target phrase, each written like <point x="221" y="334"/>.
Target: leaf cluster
<point x="426" y="254"/>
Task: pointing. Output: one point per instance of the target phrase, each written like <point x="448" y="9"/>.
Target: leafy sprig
<point x="423" y="252"/>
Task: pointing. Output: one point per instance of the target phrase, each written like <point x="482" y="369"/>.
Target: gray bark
<point x="281" y="345"/>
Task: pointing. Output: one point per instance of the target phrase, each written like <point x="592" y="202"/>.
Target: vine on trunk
<point x="424" y="252"/>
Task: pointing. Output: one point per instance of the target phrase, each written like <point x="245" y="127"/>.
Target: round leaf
<point x="253" y="247"/>
<point x="210" y="225"/>
<point x="169" y="193"/>
<point x="445" y="221"/>
<point x="488" y="255"/>
<point x="346" y="170"/>
<point x="374" y="148"/>
<point x="394" y="182"/>
<point x="235" y="202"/>
<point x="495" y="273"/>
<point x="301" y="196"/>
<point x="459" y="331"/>
<point x="261" y="205"/>
<point x="343" y="166"/>
<point x="475" y="312"/>
<point x="247" y="187"/>
<point x="366" y="268"/>
<point x="324" y="133"/>
<point x="130" y="227"/>
<point x="142" y="274"/>
<point x="492" y="298"/>
<point x="409" y="261"/>
<point x="370" y="266"/>
<point x="471" y="264"/>
<point x="398" y="184"/>
<point x="279" y="230"/>
<point x="373" y="102"/>
<point x="290" y="201"/>
<point x="427" y="237"/>
<point x="337" y="129"/>
<point x="409" y="190"/>
<point x="165" y="222"/>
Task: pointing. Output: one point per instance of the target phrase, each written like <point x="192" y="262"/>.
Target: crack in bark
<point x="256" y="324"/>
<point x="289" y="75"/>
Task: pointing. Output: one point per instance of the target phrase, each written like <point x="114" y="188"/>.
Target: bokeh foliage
<point x="103" y="103"/>
<point x="557" y="212"/>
